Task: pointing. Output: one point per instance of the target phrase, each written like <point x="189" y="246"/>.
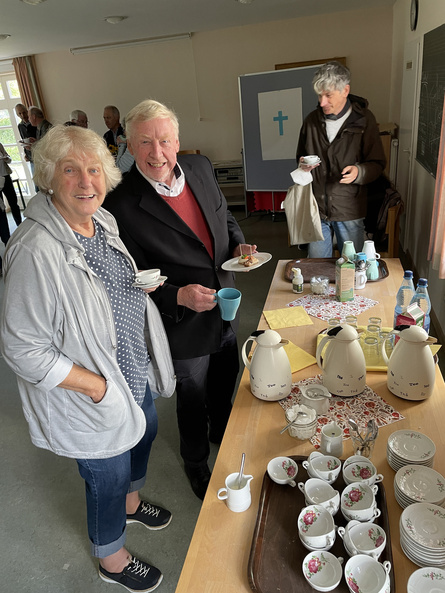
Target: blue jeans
<point x="347" y="230"/>
<point x="107" y="483"/>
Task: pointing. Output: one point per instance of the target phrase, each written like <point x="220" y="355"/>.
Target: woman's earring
<point x="50" y="191"/>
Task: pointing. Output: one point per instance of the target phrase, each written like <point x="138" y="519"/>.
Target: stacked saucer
<point x="418" y="483"/>
<point x="427" y="580"/>
<point x="422" y="534"/>
<point x="406" y="447"/>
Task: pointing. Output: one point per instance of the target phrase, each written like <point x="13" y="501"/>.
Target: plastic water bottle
<point x="404" y="295"/>
<point x="422" y="299"/>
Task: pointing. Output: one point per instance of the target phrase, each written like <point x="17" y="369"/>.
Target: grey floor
<point x="43" y="541"/>
<point x="43" y="538"/>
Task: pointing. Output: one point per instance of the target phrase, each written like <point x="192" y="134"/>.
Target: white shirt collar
<point x="162" y="188"/>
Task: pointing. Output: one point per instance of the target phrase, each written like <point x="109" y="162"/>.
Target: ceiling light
<point x="245" y="1"/>
<point x="4" y="36"/>
<point x="120" y="44"/>
<point x="33" y="2"/>
<point x="114" y="20"/>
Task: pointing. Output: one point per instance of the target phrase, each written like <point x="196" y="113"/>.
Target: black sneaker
<point x="150" y="515"/>
<point x="137" y="576"/>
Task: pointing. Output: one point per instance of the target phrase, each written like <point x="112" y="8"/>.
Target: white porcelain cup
<point x="326" y="467"/>
<point x="358" y="502"/>
<point x="362" y="471"/>
<point x="311" y="159"/>
<point x="316" y="528"/>
<point x="363" y="538"/>
<point x="369" y="249"/>
<point x="363" y="573"/>
<point x="317" y="491"/>
<point x="237" y="498"/>
<point x="147" y="276"/>
<point x="331" y="440"/>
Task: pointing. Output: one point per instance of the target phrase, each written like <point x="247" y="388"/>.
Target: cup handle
<point x="341" y="532"/>
<point x="376" y="514"/>
<point x="378" y="478"/>
<point x="292" y="483"/>
<point x="377" y="255"/>
<point x="301" y="487"/>
<point x="387" y="566"/>
<point x="305" y="464"/>
<point x="220" y="494"/>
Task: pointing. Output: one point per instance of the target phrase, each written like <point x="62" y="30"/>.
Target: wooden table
<point x="217" y="560"/>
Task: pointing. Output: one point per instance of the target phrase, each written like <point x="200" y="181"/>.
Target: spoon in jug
<point x="240" y="475"/>
<point x="355" y="428"/>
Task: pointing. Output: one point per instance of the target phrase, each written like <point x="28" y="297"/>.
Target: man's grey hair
<point x="147" y="110"/>
<point x="20" y="105"/>
<point x="33" y="110"/>
<point x="332" y="76"/>
<point x="74" y="115"/>
<point x="114" y="109"/>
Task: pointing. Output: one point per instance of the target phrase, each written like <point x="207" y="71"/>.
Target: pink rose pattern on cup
<point x="307" y="520"/>
<point x="352" y="497"/>
<point x="362" y="472"/>
<point x="353" y="584"/>
<point x="376" y="536"/>
<point x="314" y="565"/>
<point x="289" y="468"/>
<point x="332" y="464"/>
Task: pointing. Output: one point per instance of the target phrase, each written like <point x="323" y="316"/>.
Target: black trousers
<point x="204" y="389"/>
<point x="9" y="191"/>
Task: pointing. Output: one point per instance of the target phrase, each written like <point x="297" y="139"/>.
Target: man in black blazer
<point x="173" y="216"/>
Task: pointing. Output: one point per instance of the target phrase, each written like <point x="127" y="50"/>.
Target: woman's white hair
<point x="332" y="76"/>
<point x="60" y="142"/>
<point x="147" y="110"/>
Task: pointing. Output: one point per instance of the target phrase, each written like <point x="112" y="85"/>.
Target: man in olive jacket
<point x="172" y="216"/>
<point x="344" y="134"/>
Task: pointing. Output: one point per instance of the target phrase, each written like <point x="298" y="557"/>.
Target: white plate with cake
<point x="246" y="262"/>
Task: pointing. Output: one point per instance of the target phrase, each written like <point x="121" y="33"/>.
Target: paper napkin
<point x="287" y="317"/>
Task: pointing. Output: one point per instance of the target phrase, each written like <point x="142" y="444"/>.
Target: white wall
<point x="199" y="77"/>
<point x="431" y="16"/>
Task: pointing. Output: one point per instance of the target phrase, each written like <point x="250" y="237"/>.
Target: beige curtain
<point x="28" y="81"/>
<point x="436" y="251"/>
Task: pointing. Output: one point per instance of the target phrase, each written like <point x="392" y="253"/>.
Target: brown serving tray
<point x="277" y="554"/>
<point x="323" y="266"/>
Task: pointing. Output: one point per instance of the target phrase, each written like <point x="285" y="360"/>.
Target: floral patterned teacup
<point x="316" y="528"/>
<point x="322" y="570"/>
<point x="363" y="538"/>
<point x="282" y="470"/>
<point x="363" y="573"/>
<point x="358" y="502"/>
<point x="325" y="467"/>
<point x="361" y="471"/>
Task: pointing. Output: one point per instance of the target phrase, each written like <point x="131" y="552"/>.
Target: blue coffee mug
<point x="228" y="300"/>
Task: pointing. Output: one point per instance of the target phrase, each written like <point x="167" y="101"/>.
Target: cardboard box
<point x="344" y="280"/>
<point x="412" y="316"/>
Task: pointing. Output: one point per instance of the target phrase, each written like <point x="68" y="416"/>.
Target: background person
<point x="79" y="118"/>
<point x="38" y="120"/>
<point x="7" y="190"/>
<point x="26" y="130"/>
<point x="344" y="134"/>
<point x="72" y="329"/>
<point x="173" y="216"/>
<point x="111" y="119"/>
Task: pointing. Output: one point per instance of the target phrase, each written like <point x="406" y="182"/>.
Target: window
<point x="9" y="133"/>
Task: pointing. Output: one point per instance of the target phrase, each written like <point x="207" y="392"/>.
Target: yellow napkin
<point x="287" y="317"/>
<point x="298" y="358"/>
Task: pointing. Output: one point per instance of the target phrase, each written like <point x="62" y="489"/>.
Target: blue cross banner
<point x="281" y="117"/>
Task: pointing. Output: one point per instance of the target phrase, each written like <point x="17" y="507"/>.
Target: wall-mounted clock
<point x="414" y="15"/>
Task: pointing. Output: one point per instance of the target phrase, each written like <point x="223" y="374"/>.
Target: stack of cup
<point x="372" y="272"/>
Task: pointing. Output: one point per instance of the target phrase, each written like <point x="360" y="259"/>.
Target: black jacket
<point x="357" y="143"/>
<point x="157" y="237"/>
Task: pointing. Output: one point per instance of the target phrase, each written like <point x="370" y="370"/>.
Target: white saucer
<point x="427" y="580"/>
<point x="152" y="284"/>
<point x="232" y="265"/>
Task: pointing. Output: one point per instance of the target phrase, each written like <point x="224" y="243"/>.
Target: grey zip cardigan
<point x="56" y="312"/>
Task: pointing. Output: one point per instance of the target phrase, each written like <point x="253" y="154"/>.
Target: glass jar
<point x="305" y="426"/>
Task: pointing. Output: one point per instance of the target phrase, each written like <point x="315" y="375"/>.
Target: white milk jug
<point x="270" y="372"/>
<point x="411" y="368"/>
<point x="343" y="365"/>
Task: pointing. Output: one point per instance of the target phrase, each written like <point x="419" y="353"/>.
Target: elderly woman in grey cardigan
<point x="88" y="348"/>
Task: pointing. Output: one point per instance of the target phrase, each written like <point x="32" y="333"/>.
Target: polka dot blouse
<point x="128" y="305"/>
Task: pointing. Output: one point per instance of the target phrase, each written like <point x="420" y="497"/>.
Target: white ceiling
<point x="63" y="24"/>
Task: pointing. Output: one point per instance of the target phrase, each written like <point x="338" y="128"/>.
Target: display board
<point x="431" y="99"/>
<point x="273" y="106"/>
